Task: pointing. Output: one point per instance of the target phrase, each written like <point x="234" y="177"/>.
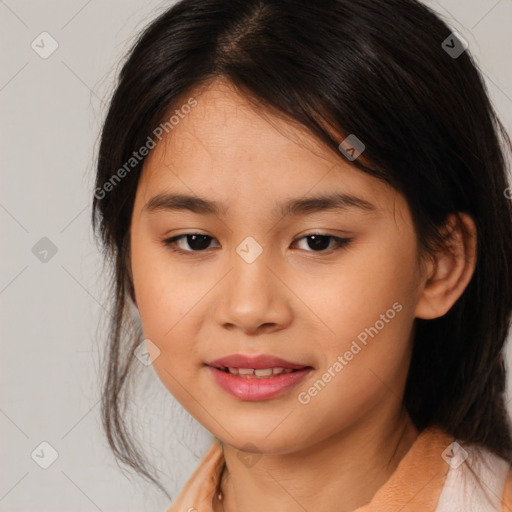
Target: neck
<point x="338" y="474"/>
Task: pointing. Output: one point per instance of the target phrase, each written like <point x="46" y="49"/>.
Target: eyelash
<point x="341" y="243"/>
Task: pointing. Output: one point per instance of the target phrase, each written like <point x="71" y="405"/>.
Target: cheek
<point x="169" y="298"/>
<point x="365" y="370"/>
<point x="165" y="292"/>
<point x="166" y="306"/>
<point x="370" y="308"/>
<point x="365" y="286"/>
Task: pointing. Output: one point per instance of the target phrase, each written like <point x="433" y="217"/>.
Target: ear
<point x="449" y="270"/>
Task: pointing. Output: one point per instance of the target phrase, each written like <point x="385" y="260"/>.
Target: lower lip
<point x="255" y="388"/>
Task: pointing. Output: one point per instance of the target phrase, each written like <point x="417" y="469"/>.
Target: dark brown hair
<point x="371" y="68"/>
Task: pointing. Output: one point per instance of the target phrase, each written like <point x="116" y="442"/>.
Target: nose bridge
<point x="251" y="295"/>
<point x="250" y="274"/>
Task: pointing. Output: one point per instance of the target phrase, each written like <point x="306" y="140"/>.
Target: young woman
<point x="306" y="204"/>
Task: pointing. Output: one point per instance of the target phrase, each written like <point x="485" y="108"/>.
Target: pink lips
<point x="256" y="388"/>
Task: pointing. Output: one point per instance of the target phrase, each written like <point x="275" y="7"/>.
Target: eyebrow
<point x="297" y="206"/>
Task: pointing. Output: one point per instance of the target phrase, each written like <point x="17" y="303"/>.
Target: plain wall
<point x="51" y="111"/>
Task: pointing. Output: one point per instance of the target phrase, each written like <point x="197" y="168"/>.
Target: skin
<point x="293" y="302"/>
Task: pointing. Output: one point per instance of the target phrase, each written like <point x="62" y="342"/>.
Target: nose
<point x="253" y="298"/>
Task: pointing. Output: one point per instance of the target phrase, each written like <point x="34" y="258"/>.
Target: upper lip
<point x="260" y="361"/>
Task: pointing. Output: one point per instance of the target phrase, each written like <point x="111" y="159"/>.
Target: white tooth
<point x="277" y="371"/>
<point x="245" y="371"/>
<point x="287" y="370"/>
<point x="233" y="371"/>
<point x="263" y="372"/>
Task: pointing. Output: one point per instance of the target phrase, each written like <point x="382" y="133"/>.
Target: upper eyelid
<point x="318" y="232"/>
<point x="174" y="239"/>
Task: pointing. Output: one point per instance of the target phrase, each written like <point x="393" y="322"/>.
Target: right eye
<point x="197" y="242"/>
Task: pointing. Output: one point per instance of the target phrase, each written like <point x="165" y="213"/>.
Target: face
<point x="254" y="265"/>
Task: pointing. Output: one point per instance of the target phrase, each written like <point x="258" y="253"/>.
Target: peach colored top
<point x="430" y="478"/>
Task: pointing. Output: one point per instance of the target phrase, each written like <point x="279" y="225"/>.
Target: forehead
<point x="226" y="126"/>
<point x="228" y="147"/>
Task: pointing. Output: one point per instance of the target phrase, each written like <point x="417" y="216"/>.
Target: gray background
<point x="51" y="317"/>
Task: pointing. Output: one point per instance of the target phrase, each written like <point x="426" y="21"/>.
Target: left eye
<point x="199" y="242"/>
<point x="319" y="242"/>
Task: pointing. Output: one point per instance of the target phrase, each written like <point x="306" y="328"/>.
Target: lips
<point x="256" y="377"/>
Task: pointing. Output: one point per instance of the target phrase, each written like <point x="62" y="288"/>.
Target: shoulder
<point x="196" y="495"/>
<point x="477" y="480"/>
<point x="507" y="493"/>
